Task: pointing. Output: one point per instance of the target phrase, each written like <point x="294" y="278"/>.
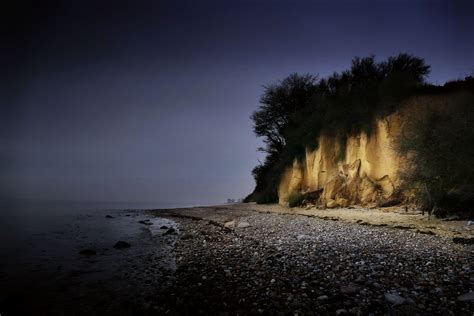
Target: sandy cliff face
<point x="365" y="173"/>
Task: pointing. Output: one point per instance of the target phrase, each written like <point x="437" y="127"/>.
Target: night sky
<point x="121" y="101"/>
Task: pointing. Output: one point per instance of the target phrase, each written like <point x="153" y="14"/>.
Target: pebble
<point x="394" y="299"/>
<point x="243" y="225"/>
<point x="467" y="297"/>
<point x="363" y="269"/>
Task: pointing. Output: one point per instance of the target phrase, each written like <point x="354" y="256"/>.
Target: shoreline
<point x="245" y="259"/>
<point x="236" y="259"/>
<point x="391" y="217"/>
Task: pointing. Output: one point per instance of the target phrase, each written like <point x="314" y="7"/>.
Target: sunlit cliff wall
<point x="367" y="170"/>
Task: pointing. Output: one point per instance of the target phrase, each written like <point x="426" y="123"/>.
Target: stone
<point x="121" y="245"/>
<point x="145" y="222"/>
<point x="349" y="289"/>
<point x="466" y="297"/>
<point x="322" y="298"/>
<point x="187" y="236"/>
<point x="394" y="299"/>
<point x="341" y="311"/>
<point x="243" y="225"/>
<point x="109" y="216"/>
<point x="229" y="224"/>
<point x="169" y="231"/>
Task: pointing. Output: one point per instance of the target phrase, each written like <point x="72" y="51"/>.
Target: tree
<point x="277" y="104"/>
<point x="405" y="64"/>
<point x="294" y="112"/>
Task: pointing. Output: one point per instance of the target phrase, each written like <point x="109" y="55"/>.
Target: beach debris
<point x="121" y="244"/>
<point x="464" y="241"/>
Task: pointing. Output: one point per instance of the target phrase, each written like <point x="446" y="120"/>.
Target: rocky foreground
<point x="231" y="261"/>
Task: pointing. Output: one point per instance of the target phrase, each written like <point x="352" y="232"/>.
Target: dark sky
<point x="150" y="100"/>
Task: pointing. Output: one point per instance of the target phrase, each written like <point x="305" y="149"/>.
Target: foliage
<point x="438" y="144"/>
<point x="278" y="102"/>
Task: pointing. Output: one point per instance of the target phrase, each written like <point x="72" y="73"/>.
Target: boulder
<point x="367" y="191"/>
<point x="333" y="187"/>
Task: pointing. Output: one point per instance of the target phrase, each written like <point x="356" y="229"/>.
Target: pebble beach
<point x="232" y="261"/>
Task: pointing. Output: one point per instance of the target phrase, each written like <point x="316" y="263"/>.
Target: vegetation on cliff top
<point x="293" y="112"/>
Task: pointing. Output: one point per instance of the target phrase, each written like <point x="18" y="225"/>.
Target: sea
<point x="41" y="243"/>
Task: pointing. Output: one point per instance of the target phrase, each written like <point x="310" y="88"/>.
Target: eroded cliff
<point x="364" y="169"/>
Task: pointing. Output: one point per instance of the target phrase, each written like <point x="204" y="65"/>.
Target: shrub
<point x="438" y="146"/>
<point x="295" y="199"/>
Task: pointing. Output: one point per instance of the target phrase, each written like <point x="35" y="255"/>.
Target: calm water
<point x="28" y="226"/>
<point x="41" y="241"/>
